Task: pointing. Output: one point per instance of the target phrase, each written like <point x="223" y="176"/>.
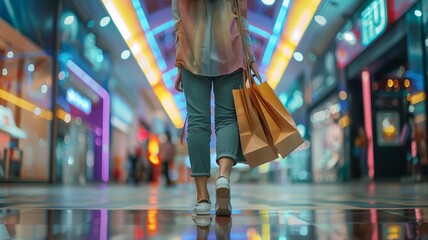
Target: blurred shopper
<point x="167" y="155"/>
<point x="361" y="143"/>
<point x="408" y="139"/>
<point x="423" y="158"/>
<point x="210" y="56"/>
<point x="140" y="168"/>
<point x="135" y="163"/>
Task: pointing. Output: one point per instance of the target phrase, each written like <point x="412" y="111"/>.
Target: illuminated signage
<point x="373" y="21"/>
<point x="79" y="101"/>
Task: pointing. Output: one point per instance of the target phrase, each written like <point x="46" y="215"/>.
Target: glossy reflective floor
<point x="261" y="211"/>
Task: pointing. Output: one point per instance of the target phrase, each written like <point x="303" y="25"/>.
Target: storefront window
<point x="327" y="133"/>
<point x="83" y="134"/>
<point x="25" y="108"/>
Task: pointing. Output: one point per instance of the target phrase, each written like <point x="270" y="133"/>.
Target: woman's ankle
<point x="223" y="176"/>
<point x="203" y="198"/>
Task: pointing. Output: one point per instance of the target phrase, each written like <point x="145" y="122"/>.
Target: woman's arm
<point x="246" y="27"/>
<point x="176" y="15"/>
<point x="247" y="39"/>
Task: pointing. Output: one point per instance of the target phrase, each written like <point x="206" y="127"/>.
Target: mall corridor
<point x="260" y="211"/>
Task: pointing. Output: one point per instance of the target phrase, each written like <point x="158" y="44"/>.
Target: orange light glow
<point x="26" y="105"/>
<point x="407" y="83"/>
<point x="61" y="114"/>
<point x="300" y="15"/>
<point x="252" y="234"/>
<point x="344" y="121"/>
<point x="153" y="149"/>
<point x="152" y="224"/>
<point x="343" y="95"/>
<point x="153" y="200"/>
<point x="396" y="84"/>
<point x="154" y="159"/>
<point x="417" y="98"/>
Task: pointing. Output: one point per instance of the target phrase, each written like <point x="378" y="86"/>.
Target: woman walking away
<point x="210" y="56"/>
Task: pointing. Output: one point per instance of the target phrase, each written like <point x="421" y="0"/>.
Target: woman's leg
<point x="201" y="188"/>
<point x="225" y="167"/>
<point x="227" y="137"/>
<point x="197" y="90"/>
<point x="226" y="122"/>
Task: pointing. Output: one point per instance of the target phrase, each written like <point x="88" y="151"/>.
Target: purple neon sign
<point x="92" y="84"/>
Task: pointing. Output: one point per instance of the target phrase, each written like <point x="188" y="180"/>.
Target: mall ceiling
<point x="262" y="19"/>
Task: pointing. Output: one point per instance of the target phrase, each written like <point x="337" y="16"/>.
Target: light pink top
<point x="208" y="41"/>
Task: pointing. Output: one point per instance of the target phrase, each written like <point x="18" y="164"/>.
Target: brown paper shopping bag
<point x="254" y="144"/>
<point x="280" y="128"/>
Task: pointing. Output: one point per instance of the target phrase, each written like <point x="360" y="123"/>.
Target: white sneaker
<point x="223" y="206"/>
<point x="202" y="208"/>
<point x="202" y="220"/>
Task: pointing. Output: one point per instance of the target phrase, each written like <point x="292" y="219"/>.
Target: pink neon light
<point x="103" y="224"/>
<point x="373" y="220"/>
<point x="418" y="214"/>
<point x="92" y="84"/>
<point x="367" y="101"/>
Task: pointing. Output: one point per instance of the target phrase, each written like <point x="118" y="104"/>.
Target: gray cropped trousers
<point x="197" y="90"/>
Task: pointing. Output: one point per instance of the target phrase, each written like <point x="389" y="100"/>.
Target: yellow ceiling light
<point x="300" y="15"/>
<point x="126" y="19"/>
<point x="169" y="105"/>
<point x="121" y="25"/>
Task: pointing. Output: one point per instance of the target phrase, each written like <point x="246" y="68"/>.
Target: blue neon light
<point x="149" y="34"/>
<point x="172" y="72"/>
<point x="141" y="15"/>
<point x="273" y="40"/>
<point x="79" y="101"/>
<point x="280" y="20"/>
<point x="259" y="31"/>
<point x="163" y="27"/>
<point x="168" y="77"/>
<point x="277" y="29"/>
<point x="180" y="101"/>
<point x="156" y="50"/>
<point x="168" y="82"/>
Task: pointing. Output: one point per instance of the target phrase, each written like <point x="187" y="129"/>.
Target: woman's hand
<point x="179" y="82"/>
<point x="256" y="71"/>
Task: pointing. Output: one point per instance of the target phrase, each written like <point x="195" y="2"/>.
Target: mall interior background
<point x="79" y="95"/>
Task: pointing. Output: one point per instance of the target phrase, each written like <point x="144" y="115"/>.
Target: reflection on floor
<point x="346" y="211"/>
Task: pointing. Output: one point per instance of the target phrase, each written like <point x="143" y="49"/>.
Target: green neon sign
<point x="373" y="21"/>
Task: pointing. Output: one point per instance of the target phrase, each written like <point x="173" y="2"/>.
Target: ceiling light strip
<point x="139" y="43"/>
<point x="118" y="21"/>
<point x="163" y="27"/>
<point x="299" y="17"/>
<point x="259" y="32"/>
<point x="277" y="28"/>
<point x="149" y="34"/>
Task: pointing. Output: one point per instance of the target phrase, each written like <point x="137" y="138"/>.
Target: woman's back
<point x="208" y="37"/>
